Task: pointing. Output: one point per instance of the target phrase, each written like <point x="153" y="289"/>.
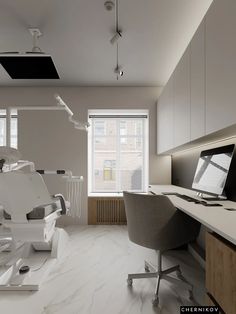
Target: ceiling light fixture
<point x="109" y="5"/>
<point x="118" y="71"/>
<point x="29" y="66"/>
<point x="115" y="40"/>
<point x="116" y="37"/>
<point x="33" y="64"/>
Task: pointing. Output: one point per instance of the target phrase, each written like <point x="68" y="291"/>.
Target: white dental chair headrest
<point x="9" y="154"/>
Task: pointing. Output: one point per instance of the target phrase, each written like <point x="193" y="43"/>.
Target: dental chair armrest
<point x="63" y="203"/>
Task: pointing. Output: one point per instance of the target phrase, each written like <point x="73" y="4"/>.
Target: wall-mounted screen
<point x="212" y="170"/>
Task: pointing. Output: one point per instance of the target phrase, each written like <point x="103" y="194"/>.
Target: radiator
<point x="106" y="211"/>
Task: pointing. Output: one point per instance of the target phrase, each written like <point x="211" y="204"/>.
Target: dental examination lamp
<point x="33" y="243"/>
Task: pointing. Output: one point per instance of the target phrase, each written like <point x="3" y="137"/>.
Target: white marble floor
<point x="91" y="279"/>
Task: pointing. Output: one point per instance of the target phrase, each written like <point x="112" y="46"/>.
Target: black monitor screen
<point x="212" y="170"/>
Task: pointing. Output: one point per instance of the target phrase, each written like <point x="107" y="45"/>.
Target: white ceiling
<point x="77" y="32"/>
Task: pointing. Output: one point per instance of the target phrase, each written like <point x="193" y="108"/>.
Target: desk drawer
<point x="221" y="272"/>
<point x="210" y="302"/>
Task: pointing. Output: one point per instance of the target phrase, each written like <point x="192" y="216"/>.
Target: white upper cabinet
<point x="165" y="119"/>
<point x="204" y="82"/>
<point x="197" y="83"/>
<point x="220" y="65"/>
<point x="181" y="85"/>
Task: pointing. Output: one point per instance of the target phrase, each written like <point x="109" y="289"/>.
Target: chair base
<point x="152" y="272"/>
<point x="41" y="263"/>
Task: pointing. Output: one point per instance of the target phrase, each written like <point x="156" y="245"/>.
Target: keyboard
<point x="190" y="199"/>
<point x="187" y="198"/>
<point x="194" y="200"/>
<point x="184" y="197"/>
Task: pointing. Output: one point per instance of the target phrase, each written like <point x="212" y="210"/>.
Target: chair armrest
<point x="63" y="203"/>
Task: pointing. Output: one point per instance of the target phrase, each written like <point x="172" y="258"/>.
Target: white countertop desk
<point x="218" y="219"/>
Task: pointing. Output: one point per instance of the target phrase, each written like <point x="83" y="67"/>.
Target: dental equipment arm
<point x="61" y="105"/>
<point x="60" y="102"/>
<point x="77" y="124"/>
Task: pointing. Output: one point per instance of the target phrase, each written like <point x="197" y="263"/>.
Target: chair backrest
<point x="155" y="223"/>
<point x="21" y="192"/>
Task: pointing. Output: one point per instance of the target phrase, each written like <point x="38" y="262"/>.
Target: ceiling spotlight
<point x="116" y="37"/>
<point x="109" y="5"/>
<point x="118" y="71"/>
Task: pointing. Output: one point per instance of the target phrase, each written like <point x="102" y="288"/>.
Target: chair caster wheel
<point x="155" y="301"/>
<point x="129" y="282"/>
<point x="147" y="270"/>
<point x="191" y="297"/>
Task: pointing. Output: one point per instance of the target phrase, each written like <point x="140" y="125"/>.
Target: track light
<point x="116" y="37"/>
<point x="118" y="71"/>
<point x="109" y="5"/>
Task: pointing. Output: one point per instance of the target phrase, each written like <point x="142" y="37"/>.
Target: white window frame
<point x="145" y="140"/>
<point x="123" y="137"/>
<point x="14" y="115"/>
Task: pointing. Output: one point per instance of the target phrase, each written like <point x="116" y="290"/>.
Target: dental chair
<point x="30" y="215"/>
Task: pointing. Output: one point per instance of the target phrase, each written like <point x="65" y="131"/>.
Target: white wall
<point x="48" y="139"/>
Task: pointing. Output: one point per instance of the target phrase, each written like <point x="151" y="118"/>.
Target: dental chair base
<point x="39" y="258"/>
<point x="33" y="243"/>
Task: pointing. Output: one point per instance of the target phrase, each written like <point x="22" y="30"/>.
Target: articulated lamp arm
<point x="61" y="105"/>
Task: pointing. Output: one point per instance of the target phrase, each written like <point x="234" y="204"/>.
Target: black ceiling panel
<point x="29" y="67"/>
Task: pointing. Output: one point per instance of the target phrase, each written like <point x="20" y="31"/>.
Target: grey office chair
<point x="153" y="222"/>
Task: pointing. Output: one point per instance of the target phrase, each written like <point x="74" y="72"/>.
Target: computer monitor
<point x="212" y="170"/>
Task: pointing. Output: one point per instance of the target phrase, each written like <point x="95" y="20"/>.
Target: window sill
<point x="103" y="194"/>
<point x="112" y="194"/>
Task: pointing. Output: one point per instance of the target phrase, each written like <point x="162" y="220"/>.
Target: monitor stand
<point x="212" y="198"/>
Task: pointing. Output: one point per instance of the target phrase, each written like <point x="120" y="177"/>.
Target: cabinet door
<point x="197" y="83"/>
<point x="220" y="65"/>
<point x="182" y="100"/>
<point x="165" y="119"/>
<point x="221" y="272"/>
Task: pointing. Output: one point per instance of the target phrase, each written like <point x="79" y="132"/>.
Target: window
<point x="100" y="131"/>
<point x="123" y="132"/>
<point x="118" y="151"/>
<point x="109" y="170"/>
<point x="3" y="128"/>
